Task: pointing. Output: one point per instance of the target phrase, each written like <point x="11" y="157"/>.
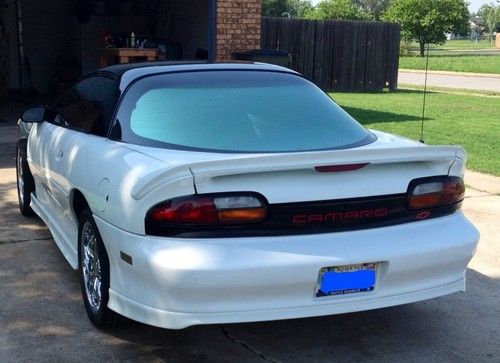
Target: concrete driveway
<point x="42" y="317"/>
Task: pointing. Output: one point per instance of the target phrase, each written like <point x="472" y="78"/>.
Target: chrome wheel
<point x="20" y="177"/>
<point x="91" y="266"/>
<point x="94" y="272"/>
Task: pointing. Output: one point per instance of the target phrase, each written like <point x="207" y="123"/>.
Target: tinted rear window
<point x="236" y="111"/>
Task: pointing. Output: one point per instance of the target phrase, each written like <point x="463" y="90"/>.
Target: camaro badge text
<point x="333" y="217"/>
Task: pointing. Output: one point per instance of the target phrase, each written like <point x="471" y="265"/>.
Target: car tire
<point x="94" y="273"/>
<point x="25" y="181"/>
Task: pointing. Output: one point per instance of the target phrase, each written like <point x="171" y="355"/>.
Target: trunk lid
<point x="302" y="200"/>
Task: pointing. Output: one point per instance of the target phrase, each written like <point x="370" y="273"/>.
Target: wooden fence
<point x="338" y="55"/>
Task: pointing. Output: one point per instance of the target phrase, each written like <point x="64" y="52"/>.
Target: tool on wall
<point x="4" y="52"/>
<point x="25" y="75"/>
<point x="164" y="13"/>
<point x="83" y="11"/>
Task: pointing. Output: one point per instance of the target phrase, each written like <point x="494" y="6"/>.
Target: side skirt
<point x="66" y="248"/>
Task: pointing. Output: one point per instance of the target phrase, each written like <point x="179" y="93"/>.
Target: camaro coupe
<point x="215" y="193"/>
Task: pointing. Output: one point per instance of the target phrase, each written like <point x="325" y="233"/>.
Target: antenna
<point x="425" y="96"/>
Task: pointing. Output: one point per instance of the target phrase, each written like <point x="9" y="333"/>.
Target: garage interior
<point x="47" y="45"/>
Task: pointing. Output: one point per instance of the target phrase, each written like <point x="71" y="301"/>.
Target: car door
<point x="41" y="151"/>
<point x="79" y="117"/>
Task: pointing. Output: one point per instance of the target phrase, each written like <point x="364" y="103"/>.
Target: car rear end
<point x="373" y="221"/>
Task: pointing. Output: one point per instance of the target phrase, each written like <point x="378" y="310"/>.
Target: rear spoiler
<point x="454" y="156"/>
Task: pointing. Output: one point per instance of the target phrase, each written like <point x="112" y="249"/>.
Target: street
<point x="490" y="83"/>
<point x="43" y="318"/>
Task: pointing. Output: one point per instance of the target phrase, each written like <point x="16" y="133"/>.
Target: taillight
<point x="214" y="209"/>
<point x="434" y="192"/>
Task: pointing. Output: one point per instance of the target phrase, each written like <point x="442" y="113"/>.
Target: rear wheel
<point x="25" y="182"/>
<point x="94" y="273"/>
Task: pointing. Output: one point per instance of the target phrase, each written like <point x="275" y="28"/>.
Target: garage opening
<point x="53" y="43"/>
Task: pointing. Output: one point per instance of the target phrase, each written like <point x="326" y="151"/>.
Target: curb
<point x="464" y="91"/>
<point x="446" y="73"/>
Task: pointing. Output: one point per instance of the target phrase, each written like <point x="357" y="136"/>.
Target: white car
<point x="216" y="193"/>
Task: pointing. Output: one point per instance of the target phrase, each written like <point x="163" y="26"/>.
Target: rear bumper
<point x="176" y="283"/>
<point x="176" y="320"/>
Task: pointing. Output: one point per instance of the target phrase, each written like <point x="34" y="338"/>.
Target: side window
<point x="88" y="106"/>
<point x="65" y="107"/>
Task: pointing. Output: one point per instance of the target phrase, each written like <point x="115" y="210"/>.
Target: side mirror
<point x="34" y="115"/>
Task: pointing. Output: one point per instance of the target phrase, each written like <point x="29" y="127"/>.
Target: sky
<point x="474" y="5"/>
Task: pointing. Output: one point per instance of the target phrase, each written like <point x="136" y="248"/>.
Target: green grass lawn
<point x="457" y="63"/>
<point x="472" y="121"/>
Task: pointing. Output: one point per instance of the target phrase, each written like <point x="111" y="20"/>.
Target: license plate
<point x="342" y="280"/>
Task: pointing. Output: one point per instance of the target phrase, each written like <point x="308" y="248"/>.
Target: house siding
<point x="238" y="26"/>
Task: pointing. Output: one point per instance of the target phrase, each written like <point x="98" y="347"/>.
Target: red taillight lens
<point x="339" y="168"/>
<point x="194" y="210"/>
<point x="435" y="192"/>
<point x="210" y="210"/>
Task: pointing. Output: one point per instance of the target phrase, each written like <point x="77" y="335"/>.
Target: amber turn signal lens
<point x="424" y="201"/>
<point x="243" y="215"/>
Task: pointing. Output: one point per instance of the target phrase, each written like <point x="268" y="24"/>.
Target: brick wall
<point x="238" y="26"/>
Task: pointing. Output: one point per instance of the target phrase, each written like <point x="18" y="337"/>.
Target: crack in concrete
<point x="247" y="346"/>
<point x="24" y="241"/>
<point x="482" y="196"/>
<point x="481" y="191"/>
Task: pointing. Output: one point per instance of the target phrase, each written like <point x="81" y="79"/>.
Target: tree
<point x="427" y="21"/>
<point x="299" y="8"/>
<point x="292" y="8"/>
<point x="489" y="16"/>
<point x="374" y="8"/>
<point x="274" y="7"/>
<point x="337" y="10"/>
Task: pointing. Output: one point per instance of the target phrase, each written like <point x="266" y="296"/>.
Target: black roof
<point x="120" y="69"/>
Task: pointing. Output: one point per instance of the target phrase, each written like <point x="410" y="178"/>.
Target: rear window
<point x="236" y="111"/>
